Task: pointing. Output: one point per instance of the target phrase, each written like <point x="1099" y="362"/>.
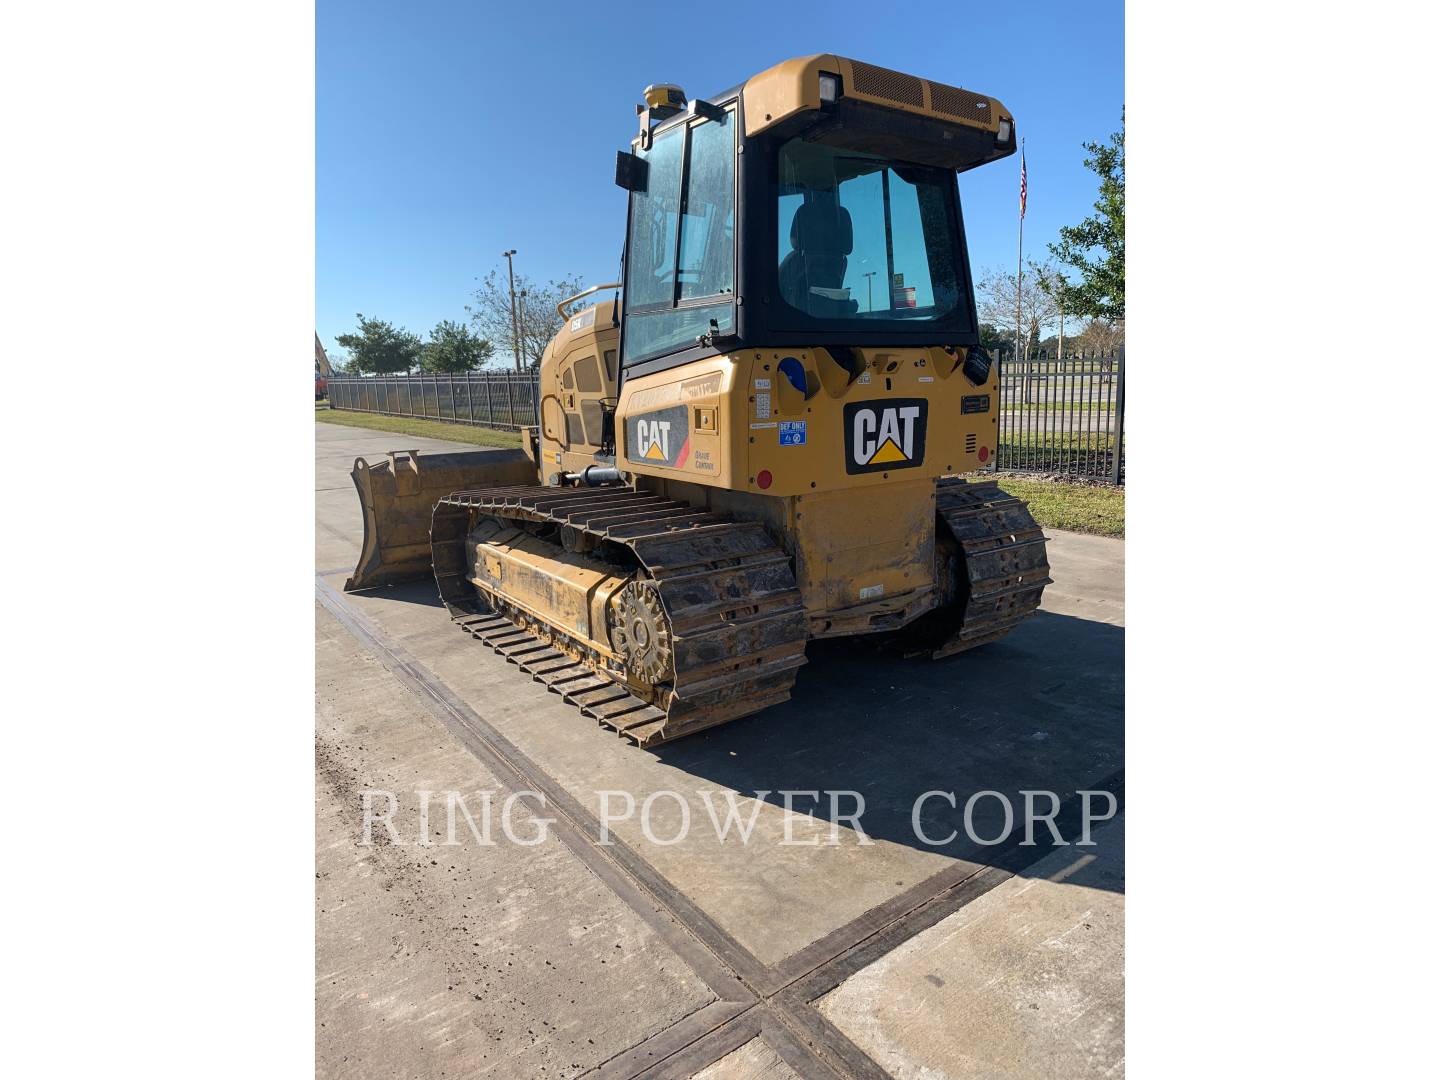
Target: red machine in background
<point x="322" y="369"/>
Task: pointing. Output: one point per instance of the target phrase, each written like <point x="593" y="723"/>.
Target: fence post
<point x="1119" y="419"/>
<point x="999" y="412"/>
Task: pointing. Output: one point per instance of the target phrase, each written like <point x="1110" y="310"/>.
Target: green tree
<point x="1051" y="281"/>
<point x="1095" y="249"/>
<point x="992" y="339"/>
<point x="452" y="347"/>
<point x="379" y="347"/>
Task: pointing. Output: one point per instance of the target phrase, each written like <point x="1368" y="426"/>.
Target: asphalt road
<point x="713" y="956"/>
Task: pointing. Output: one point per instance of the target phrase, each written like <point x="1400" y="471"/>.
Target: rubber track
<point x="1004" y="560"/>
<point x="737" y="624"/>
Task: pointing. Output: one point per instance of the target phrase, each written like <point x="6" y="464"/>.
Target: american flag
<point x="1022" y="182"/>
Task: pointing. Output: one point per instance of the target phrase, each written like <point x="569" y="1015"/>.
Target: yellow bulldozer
<point x="757" y="441"/>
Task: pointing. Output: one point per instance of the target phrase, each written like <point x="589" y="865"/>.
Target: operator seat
<point x="821" y="236"/>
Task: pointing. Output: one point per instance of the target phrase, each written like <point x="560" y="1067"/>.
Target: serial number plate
<point x="973" y="403"/>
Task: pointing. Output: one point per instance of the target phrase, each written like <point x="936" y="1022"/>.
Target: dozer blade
<point x="398" y="494"/>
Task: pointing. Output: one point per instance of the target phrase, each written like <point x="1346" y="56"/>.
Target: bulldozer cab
<point x="813" y="206"/>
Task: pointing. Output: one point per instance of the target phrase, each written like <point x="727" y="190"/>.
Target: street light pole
<point x="521" y="366"/>
<point x="514" y="323"/>
<point x="869" y="291"/>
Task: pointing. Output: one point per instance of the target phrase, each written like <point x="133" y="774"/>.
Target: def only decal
<point x="659" y="438"/>
<point x="882" y="435"/>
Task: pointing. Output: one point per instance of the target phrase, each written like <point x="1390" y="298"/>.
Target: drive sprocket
<point x="640" y="633"/>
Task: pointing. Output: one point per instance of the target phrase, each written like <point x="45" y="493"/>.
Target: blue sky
<point x="447" y="132"/>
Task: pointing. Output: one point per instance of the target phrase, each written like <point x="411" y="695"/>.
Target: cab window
<point x="707" y="226"/>
<point x="865" y="238"/>
<point x="654" y="216"/>
<point x="680" y="276"/>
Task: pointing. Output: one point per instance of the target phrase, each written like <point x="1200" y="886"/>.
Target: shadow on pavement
<point x="423" y="593"/>
<point x="1042" y="710"/>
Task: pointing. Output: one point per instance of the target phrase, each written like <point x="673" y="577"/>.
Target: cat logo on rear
<point x="883" y="435"/>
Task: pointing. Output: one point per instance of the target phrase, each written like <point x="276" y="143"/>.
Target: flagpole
<point x="1020" y="256"/>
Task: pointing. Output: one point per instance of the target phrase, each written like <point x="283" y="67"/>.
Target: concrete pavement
<point x="1040" y="710"/>
<point x="1026" y="981"/>
<point x="457" y="960"/>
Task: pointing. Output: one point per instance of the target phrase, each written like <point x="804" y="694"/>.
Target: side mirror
<point x="632" y="172"/>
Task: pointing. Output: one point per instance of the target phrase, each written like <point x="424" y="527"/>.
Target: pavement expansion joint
<point x="772" y="1002"/>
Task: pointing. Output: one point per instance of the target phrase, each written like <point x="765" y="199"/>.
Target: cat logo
<point x="883" y="435"/>
<point x="654" y="439"/>
<point x="659" y="438"/>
